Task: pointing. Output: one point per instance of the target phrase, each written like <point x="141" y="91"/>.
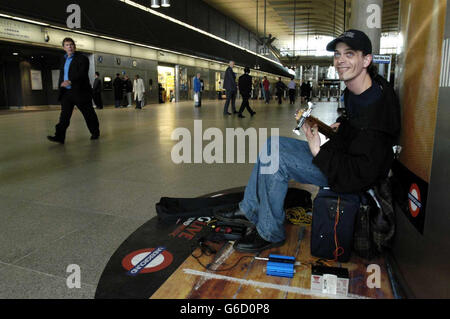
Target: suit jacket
<point x="97" y="87"/>
<point x="229" y="81"/>
<point x="78" y="75"/>
<point x="118" y="88"/>
<point x="245" y="85"/>
<point x="280" y="87"/>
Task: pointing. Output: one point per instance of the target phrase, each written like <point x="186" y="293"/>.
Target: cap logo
<point x="348" y="35"/>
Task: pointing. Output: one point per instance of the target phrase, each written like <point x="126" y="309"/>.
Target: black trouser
<point x="68" y="102"/>
<point x="98" y="100"/>
<point x="292" y="96"/>
<point x="279" y="95"/>
<point x="245" y="105"/>
<point x="139" y="104"/>
<point x="231" y="96"/>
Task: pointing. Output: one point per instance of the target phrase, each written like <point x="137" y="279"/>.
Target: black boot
<point x="55" y="139"/>
<point x="235" y="216"/>
<point x="254" y="243"/>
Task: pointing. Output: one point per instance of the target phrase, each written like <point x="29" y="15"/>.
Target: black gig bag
<point x="332" y="235"/>
<point x="170" y="209"/>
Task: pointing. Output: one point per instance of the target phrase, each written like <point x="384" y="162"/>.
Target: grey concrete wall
<point x="147" y="69"/>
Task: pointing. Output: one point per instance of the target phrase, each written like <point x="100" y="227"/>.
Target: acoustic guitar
<point x="303" y="116"/>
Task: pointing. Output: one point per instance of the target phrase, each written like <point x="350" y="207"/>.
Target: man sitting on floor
<point x="359" y="155"/>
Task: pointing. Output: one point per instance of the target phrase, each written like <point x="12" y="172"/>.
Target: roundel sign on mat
<point x="147" y="260"/>
<point x="152" y="253"/>
<point x="414" y="202"/>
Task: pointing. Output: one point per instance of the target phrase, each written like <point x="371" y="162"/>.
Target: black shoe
<point x="241" y="116"/>
<point x="235" y="216"/>
<point x="228" y="113"/>
<point x="253" y="114"/>
<point x="55" y="139"/>
<point x="95" y="137"/>
<point x="254" y="243"/>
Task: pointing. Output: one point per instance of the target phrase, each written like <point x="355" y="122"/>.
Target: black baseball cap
<point x="355" y="39"/>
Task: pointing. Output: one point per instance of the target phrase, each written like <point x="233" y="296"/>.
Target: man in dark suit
<point x="229" y="84"/>
<point x="97" y="90"/>
<point x="245" y="88"/>
<point x="74" y="89"/>
<point x="118" y="90"/>
<point x="281" y="87"/>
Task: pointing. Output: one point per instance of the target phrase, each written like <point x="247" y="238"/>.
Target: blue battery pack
<point x="280" y="266"/>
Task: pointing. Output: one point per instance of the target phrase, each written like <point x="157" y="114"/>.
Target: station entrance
<point x="166" y="83"/>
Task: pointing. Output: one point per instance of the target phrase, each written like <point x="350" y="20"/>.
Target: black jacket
<point x="97" y="87"/>
<point x="229" y="81"/>
<point x="245" y="85"/>
<point x="280" y="86"/>
<point x="128" y="86"/>
<point x="360" y="154"/>
<point x="118" y="88"/>
<point x="78" y="75"/>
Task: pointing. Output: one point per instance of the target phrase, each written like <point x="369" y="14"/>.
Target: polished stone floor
<point x="76" y="203"/>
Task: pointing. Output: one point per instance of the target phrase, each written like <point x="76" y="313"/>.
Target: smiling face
<point x="350" y="64"/>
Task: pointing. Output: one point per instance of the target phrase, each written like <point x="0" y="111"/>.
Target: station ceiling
<point x="312" y="17"/>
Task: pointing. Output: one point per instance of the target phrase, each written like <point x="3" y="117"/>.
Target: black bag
<point x="170" y="209"/>
<point x="323" y="243"/>
<point x="375" y="223"/>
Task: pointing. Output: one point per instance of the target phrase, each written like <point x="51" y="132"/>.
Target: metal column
<point x="366" y="16"/>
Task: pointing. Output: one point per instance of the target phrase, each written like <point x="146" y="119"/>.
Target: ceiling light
<point x="155" y="4"/>
<point x="165" y="3"/>
<point x="15" y="53"/>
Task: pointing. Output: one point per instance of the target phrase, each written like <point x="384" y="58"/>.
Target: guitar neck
<point x="322" y="127"/>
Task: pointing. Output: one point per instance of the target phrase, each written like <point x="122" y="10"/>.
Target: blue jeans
<point x="263" y="202"/>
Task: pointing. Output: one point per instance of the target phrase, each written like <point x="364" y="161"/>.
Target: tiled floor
<point x="76" y="203"/>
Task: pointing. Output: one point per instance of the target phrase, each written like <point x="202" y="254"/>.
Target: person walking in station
<point x="197" y="91"/>
<point x="280" y="87"/>
<point x="266" y="85"/>
<point x="138" y="90"/>
<point x="74" y="89"/>
<point x="292" y="89"/>
<point x="97" y="91"/>
<point x="128" y="88"/>
<point x="229" y="84"/>
<point x="245" y="88"/>
<point x="118" y="90"/>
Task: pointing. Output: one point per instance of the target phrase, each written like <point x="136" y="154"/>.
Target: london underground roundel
<point x="147" y="260"/>
<point x="414" y="202"/>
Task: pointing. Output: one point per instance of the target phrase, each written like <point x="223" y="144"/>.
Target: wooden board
<point x="248" y="280"/>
